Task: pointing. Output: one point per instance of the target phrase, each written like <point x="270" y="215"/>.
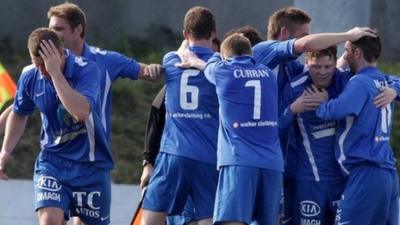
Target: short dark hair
<point x="370" y="46"/>
<point x="40" y="34"/>
<point x="289" y="17"/>
<point x="199" y="22"/>
<point x="331" y="52"/>
<point x="236" y="45"/>
<point x="248" y="31"/>
<point x="71" y="13"/>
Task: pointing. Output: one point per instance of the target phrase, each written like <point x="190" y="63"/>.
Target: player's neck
<point x="77" y="49"/>
<point x="364" y="64"/>
<point x="202" y="43"/>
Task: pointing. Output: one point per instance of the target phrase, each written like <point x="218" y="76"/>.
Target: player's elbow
<point x="81" y="115"/>
<point x="301" y="46"/>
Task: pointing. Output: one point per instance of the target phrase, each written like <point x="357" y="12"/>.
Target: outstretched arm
<point x="314" y="42"/>
<point x="150" y="72"/>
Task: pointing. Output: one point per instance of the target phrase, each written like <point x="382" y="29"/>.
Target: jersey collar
<point x="86" y="50"/>
<point x="243" y="59"/>
<point x="369" y="70"/>
<point x="200" y="50"/>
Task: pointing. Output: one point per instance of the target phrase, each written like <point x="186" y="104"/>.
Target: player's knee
<point x="153" y="218"/>
<point x="49" y="220"/>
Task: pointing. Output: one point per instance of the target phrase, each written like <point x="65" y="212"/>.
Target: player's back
<point x="364" y="136"/>
<point x="191" y="110"/>
<point x="247" y="93"/>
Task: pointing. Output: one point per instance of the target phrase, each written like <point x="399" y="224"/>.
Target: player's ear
<point x="185" y="34"/>
<point x="357" y="53"/>
<point x="78" y="29"/>
<point x="284" y="33"/>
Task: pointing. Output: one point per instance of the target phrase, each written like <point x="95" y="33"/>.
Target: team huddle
<point x="252" y="135"/>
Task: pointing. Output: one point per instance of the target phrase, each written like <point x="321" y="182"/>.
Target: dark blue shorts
<point x="316" y="201"/>
<point x="371" y="197"/>
<point x="79" y="189"/>
<point x="175" y="179"/>
<point x="247" y="194"/>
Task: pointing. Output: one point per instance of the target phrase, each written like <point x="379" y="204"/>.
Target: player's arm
<point x="286" y="115"/>
<point x="3" y="118"/>
<point x="314" y="42"/>
<point x="388" y="94"/>
<point x="349" y="102"/>
<point x="23" y="106"/>
<point x="190" y="60"/>
<point x="154" y="130"/>
<point x="150" y="72"/>
<point x="14" y="129"/>
<point x="75" y="103"/>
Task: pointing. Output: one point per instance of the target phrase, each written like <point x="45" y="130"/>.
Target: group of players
<point x="234" y="122"/>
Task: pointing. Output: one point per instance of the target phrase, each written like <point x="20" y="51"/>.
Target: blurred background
<point x="146" y="30"/>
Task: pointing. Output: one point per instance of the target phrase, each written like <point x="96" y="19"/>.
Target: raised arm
<point x="76" y="104"/>
<point x="314" y="42"/>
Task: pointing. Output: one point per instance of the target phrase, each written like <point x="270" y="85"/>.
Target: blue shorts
<point x="247" y="194"/>
<point x="316" y="201"/>
<point x="371" y="197"/>
<point x="79" y="189"/>
<point x="175" y="179"/>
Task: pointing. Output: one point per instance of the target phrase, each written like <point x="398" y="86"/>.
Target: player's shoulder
<point x="28" y="74"/>
<point x="170" y="58"/>
<point x="98" y="51"/>
<point x="28" y="69"/>
<point x="105" y="56"/>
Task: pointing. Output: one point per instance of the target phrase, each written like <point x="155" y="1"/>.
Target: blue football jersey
<point x="248" y="131"/>
<point x="113" y="65"/>
<point x="191" y="123"/>
<point x="363" y="130"/>
<point x="60" y="133"/>
<point x="280" y="57"/>
<point x="315" y="137"/>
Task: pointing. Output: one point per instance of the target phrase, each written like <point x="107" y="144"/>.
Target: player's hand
<point x="183" y="47"/>
<point x="384" y="98"/>
<point x="3" y="160"/>
<point x="146" y="174"/>
<point x="190" y="60"/>
<point x="341" y="63"/>
<point x="153" y="71"/>
<point x="304" y="103"/>
<point x="319" y="95"/>
<point x="359" y="32"/>
<point x="51" y="56"/>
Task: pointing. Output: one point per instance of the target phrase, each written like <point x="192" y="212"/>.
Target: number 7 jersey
<point x="191" y="123"/>
<point x="248" y="97"/>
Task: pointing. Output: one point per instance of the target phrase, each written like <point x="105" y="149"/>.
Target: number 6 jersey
<point x="191" y="122"/>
